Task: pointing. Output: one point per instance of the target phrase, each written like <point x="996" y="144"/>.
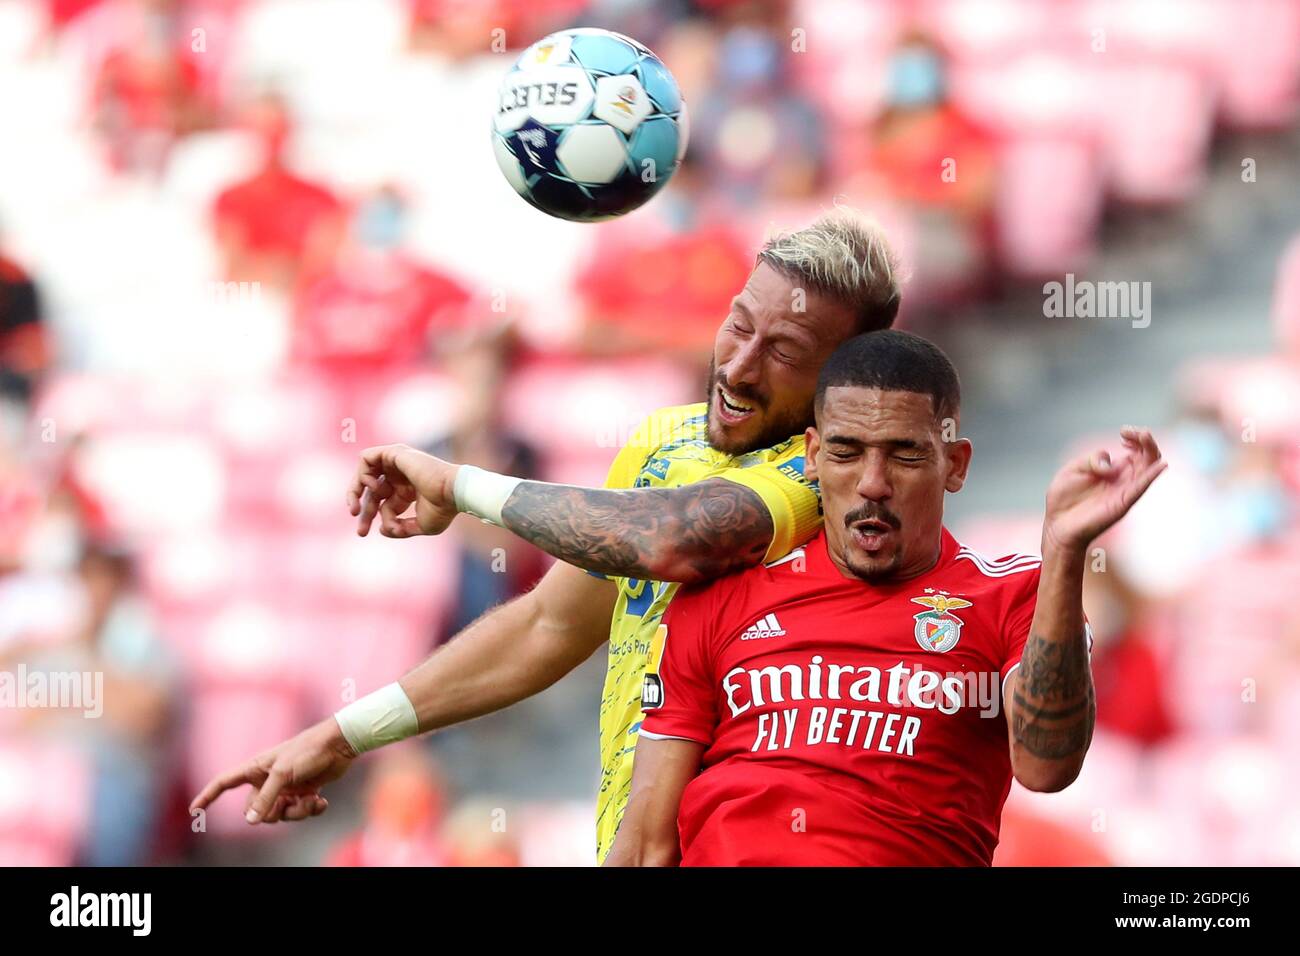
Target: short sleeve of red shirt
<point x="1021" y="601"/>
<point x="1020" y="616"/>
<point x="687" y="706"/>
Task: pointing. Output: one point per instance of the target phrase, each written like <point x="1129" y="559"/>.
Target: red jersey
<point x="275" y="211"/>
<point x="846" y="723"/>
<point x="369" y="313"/>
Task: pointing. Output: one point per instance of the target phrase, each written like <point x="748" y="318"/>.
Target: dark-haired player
<point x="867" y="699"/>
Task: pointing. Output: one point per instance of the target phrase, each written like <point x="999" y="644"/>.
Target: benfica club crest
<point x="938" y="629"/>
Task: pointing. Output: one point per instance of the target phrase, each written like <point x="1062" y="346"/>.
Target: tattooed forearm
<point x="1051" y="707"/>
<point x="1054" y="707"/>
<point x="664" y="534"/>
<point x="1053" y="734"/>
<point x="1052" y="671"/>
<point x="1052" y="743"/>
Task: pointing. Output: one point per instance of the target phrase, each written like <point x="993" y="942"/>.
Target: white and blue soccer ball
<point x="589" y="125"/>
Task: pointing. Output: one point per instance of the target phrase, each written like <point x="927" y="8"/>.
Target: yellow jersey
<point x="671" y="449"/>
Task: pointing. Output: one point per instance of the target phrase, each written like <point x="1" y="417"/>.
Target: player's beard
<point x="774" y="427"/>
<point x="879" y="572"/>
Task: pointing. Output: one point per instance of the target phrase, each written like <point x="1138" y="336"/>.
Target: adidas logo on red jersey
<point x="764" y="627"/>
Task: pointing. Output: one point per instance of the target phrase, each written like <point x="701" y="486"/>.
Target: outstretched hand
<point x="391" y="478"/>
<point x="1089" y="495"/>
<point x="286" y="780"/>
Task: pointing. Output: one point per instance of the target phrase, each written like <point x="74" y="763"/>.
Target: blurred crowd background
<point x="241" y="240"/>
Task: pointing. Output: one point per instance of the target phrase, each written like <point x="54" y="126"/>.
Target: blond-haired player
<point x="698" y="491"/>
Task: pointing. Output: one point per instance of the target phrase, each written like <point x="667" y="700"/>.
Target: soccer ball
<point x="589" y="125"/>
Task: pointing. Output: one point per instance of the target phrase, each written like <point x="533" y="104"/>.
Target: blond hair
<point x="845" y="256"/>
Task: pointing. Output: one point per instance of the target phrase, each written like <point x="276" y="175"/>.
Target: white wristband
<point x="483" y="493"/>
<point x="384" y="717"/>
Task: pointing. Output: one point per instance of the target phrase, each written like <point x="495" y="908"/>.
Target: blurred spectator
<point x="1127" y="672"/>
<point x="375" y="306"/>
<point x="1029" y="840"/>
<point x="456" y="29"/>
<point x="131" y="752"/>
<point x="478" y="834"/>
<point x="459" y="29"/>
<point x="1228" y="464"/>
<point x="661" y="290"/>
<point x="1239" y="448"/>
<point x="925" y="153"/>
<point x="60" y="13"/>
<point x="756" y="136"/>
<point x="275" y="227"/>
<point x="689" y="47"/>
<point x="127" y="742"/>
<point x="147" y="88"/>
<point x="404" y="806"/>
<point x="1255" y="503"/>
<point x="495" y="565"/>
<point x="24" y="342"/>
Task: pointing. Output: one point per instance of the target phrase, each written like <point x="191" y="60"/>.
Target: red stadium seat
<point x="1265" y="393"/>
<point x="353" y="653"/>
<point x="570" y="406"/>
<point x="45" y="794"/>
<point x="414" y="408"/>
<point x="297" y="489"/>
<point x="984" y="29"/>
<point x="229" y="724"/>
<point x="1257" y="66"/>
<point x="1030" y="94"/>
<point x="156" y="483"/>
<point x="248" y="691"/>
<point x="274" y="416"/>
<point x="553" y="834"/>
<point x="1156" y="128"/>
<point x="1241" y="608"/>
<point x="1049" y="201"/>
<point x="1232" y="788"/>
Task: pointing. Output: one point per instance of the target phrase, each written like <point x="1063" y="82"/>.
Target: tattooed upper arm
<point x="687" y="534"/>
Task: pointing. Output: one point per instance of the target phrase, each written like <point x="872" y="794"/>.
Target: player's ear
<point x="958" y="453"/>
<point x="812" y="443"/>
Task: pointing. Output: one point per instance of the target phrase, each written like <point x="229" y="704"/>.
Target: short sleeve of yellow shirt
<point x="795" y="507"/>
<point x="774" y="474"/>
